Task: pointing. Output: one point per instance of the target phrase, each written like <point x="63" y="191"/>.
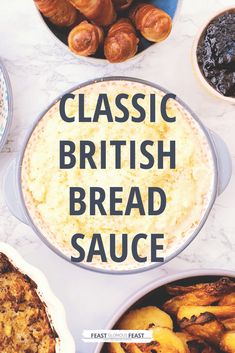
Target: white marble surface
<point x="40" y="70"/>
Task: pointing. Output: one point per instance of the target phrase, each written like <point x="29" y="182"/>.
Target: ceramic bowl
<point x="155" y="293"/>
<point x="5" y="105"/>
<point x="196" y="66"/>
<point x="222" y="170"/>
<point x="172" y="7"/>
<point x="55" y="310"/>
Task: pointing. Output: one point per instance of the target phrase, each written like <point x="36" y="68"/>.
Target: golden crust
<point x="121" y="42"/>
<point x="59" y="12"/>
<point x="221" y="312"/>
<point x="205" y="326"/>
<point x="24" y="324"/>
<point x="199" y="328"/>
<point x="153" y="23"/>
<point x="200" y="294"/>
<point x="164" y="341"/>
<point x="145" y="318"/>
<point x="85" y="38"/>
<point x="101" y="12"/>
<point x="228" y="299"/>
<point x="46" y="194"/>
<point x="227" y="343"/>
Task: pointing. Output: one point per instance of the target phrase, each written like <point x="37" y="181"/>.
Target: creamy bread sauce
<point x="188" y="187"/>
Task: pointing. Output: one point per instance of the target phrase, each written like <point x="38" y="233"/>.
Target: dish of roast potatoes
<point x="185" y="317"/>
<point x="115" y="30"/>
<point x="24" y="324"/>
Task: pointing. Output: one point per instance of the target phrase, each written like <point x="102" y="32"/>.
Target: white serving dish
<point x="6" y="105"/>
<point x="139" y="296"/>
<point x="95" y="60"/>
<point x="55" y="310"/>
<point x="196" y="67"/>
<point x="222" y="168"/>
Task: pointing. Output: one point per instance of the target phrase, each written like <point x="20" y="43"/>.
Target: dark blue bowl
<point x="170" y="6"/>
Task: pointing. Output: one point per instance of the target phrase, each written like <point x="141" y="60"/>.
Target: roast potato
<point x="167" y="339"/>
<point x="164" y="341"/>
<point x="185" y="338"/>
<point x="205" y="314"/>
<point x="193" y="344"/>
<point x="205" y="326"/>
<point x="145" y="318"/>
<point x="223" y="285"/>
<point x="227" y="343"/>
<point x="228" y="299"/>
<point x="115" y="347"/>
<point x="198" y="346"/>
<point x="200" y="294"/>
<point x="229" y="324"/>
<point x="221" y="312"/>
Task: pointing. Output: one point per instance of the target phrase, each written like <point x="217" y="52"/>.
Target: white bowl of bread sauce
<point x="213" y="161"/>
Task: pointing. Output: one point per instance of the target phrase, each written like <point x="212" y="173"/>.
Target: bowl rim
<point x="153" y="285"/>
<point x="94" y="60"/>
<point x="10" y="105"/>
<point x="195" y="63"/>
<point x="54" y="308"/>
<point x="185" y="244"/>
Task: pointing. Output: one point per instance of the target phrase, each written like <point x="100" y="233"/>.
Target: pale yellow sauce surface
<point x="188" y="187"/>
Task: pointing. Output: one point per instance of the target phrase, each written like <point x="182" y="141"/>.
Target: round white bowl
<point x="222" y="169"/>
<point x="196" y="67"/>
<point x="55" y="310"/>
<point x="140" y="296"/>
<point x="95" y="60"/>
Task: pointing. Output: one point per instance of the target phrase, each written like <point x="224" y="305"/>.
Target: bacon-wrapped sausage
<point x="85" y="38"/>
<point x="59" y="12"/>
<point x="101" y="12"/>
<point x="153" y="23"/>
<point x="121" y="42"/>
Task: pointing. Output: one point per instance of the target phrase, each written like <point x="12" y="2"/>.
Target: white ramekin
<point x="164" y="280"/>
<point x="55" y="310"/>
<point x="196" y="68"/>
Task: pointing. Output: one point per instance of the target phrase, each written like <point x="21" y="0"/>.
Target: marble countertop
<point x="40" y="70"/>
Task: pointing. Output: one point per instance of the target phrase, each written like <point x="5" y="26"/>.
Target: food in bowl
<point x="121" y="42"/>
<point x="187" y="318"/>
<point x="189" y="187"/>
<point x="78" y="42"/>
<point x="59" y="12"/>
<point x="110" y="29"/>
<point x="216" y="53"/>
<point x="25" y="325"/>
<point x="153" y="23"/>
